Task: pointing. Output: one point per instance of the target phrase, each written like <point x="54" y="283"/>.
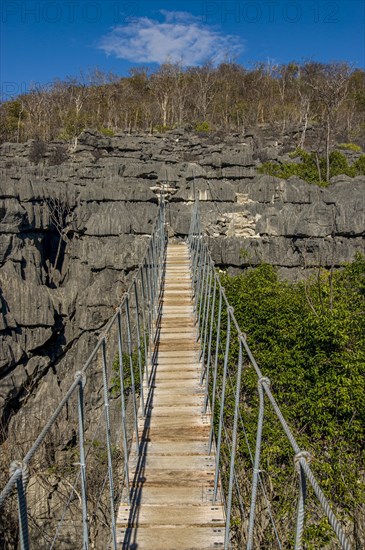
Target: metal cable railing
<point x="111" y="382"/>
<point x="221" y="339"/>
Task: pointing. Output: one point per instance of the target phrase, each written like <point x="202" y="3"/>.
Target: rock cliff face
<point x="72" y="235"/>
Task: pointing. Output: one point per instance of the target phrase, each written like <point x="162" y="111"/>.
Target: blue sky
<point x="42" y="40"/>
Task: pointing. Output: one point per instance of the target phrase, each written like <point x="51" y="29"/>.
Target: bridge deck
<point x="172" y="480"/>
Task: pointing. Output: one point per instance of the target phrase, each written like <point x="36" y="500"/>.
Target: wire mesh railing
<point x="236" y="391"/>
<point x="63" y="491"/>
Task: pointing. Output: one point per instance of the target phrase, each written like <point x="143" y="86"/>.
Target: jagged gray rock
<point x="51" y="315"/>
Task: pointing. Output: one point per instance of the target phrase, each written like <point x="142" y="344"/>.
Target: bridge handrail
<point x="145" y="284"/>
<point x="204" y="274"/>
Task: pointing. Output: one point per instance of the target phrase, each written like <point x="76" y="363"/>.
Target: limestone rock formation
<point x="59" y="287"/>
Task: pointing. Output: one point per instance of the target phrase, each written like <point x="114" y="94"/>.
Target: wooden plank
<point x="188" y="354"/>
<point x="168" y="400"/>
<point x="170" y="332"/>
<point x="172" y="515"/>
<point x="177" y="462"/>
<point x="163" y="433"/>
<point x="177" y="375"/>
<point x="178" y="409"/>
<point x="170" y="367"/>
<point x="168" y="478"/>
<point x="178" y="425"/>
<point x="178" y="307"/>
<point x="177" y="538"/>
<point x="201" y="494"/>
<point x="190" y="387"/>
<point x="191" y="448"/>
<point x="182" y="320"/>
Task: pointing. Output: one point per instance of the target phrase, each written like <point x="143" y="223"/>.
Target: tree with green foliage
<point x="310" y="167"/>
<point x="13" y="115"/>
<point x="309" y="339"/>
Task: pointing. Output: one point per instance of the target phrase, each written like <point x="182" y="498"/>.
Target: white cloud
<point x="183" y="16"/>
<point x="180" y="37"/>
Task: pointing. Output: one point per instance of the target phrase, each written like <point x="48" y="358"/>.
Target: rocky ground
<point x="105" y="198"/>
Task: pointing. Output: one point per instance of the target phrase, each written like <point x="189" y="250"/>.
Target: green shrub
<point x="73" y="124"/>
<point x="127" y="371"/>
<point x="309" y="339"/>
<point x="108" y="132"/>
<point x="359" y="166"/>
<point x="203" y="127"/>
<point x="350" y="147"/>
<point x="161" y="128"/>
<point x="299" y="153"/>
<point x="307" y="169"/>
<point x="339" y="165"/>
<point x="313" y="169"/>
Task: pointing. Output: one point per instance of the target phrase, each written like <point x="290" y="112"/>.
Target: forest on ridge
<point x="230" y="97"/>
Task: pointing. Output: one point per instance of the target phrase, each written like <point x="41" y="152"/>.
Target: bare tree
<point x="330" y="85"/>
<point x="203" y="83"/>
<point x="163" y="87"/>
<point x="62" y="216"/>
<point x="180" y="94"/>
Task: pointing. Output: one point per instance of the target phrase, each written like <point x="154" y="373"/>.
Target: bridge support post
<point x="195" y="247"/>
<point x="122" y="403"/>
<point x="202" y="279"/>
<point x="149" y="303"/>
<point x="108" y="443"/>
<point x="155" y="277"/>
<point x="217" y="344"/>
<point x="22" y="512"/>
<point x="146" y="328"/>
<point x="205" y="320"/>
<point x="131" y="366"/>
<point x="256" y="470"/>
<point x="139" y="351"/>
<point x="206" y="395"/>
<point x="301" y="499"/>
<point x="85" y="529"/>
<point x="198" y="262"/>
<point x="152" y="304"/>
<point x="220" y="429"/>
<point x="234" y="445"/>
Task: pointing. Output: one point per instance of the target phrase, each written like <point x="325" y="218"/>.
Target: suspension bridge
<point x="152" y="432"/>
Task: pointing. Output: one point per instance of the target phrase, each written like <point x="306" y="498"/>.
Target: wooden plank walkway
<point x="172" y="480"/>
